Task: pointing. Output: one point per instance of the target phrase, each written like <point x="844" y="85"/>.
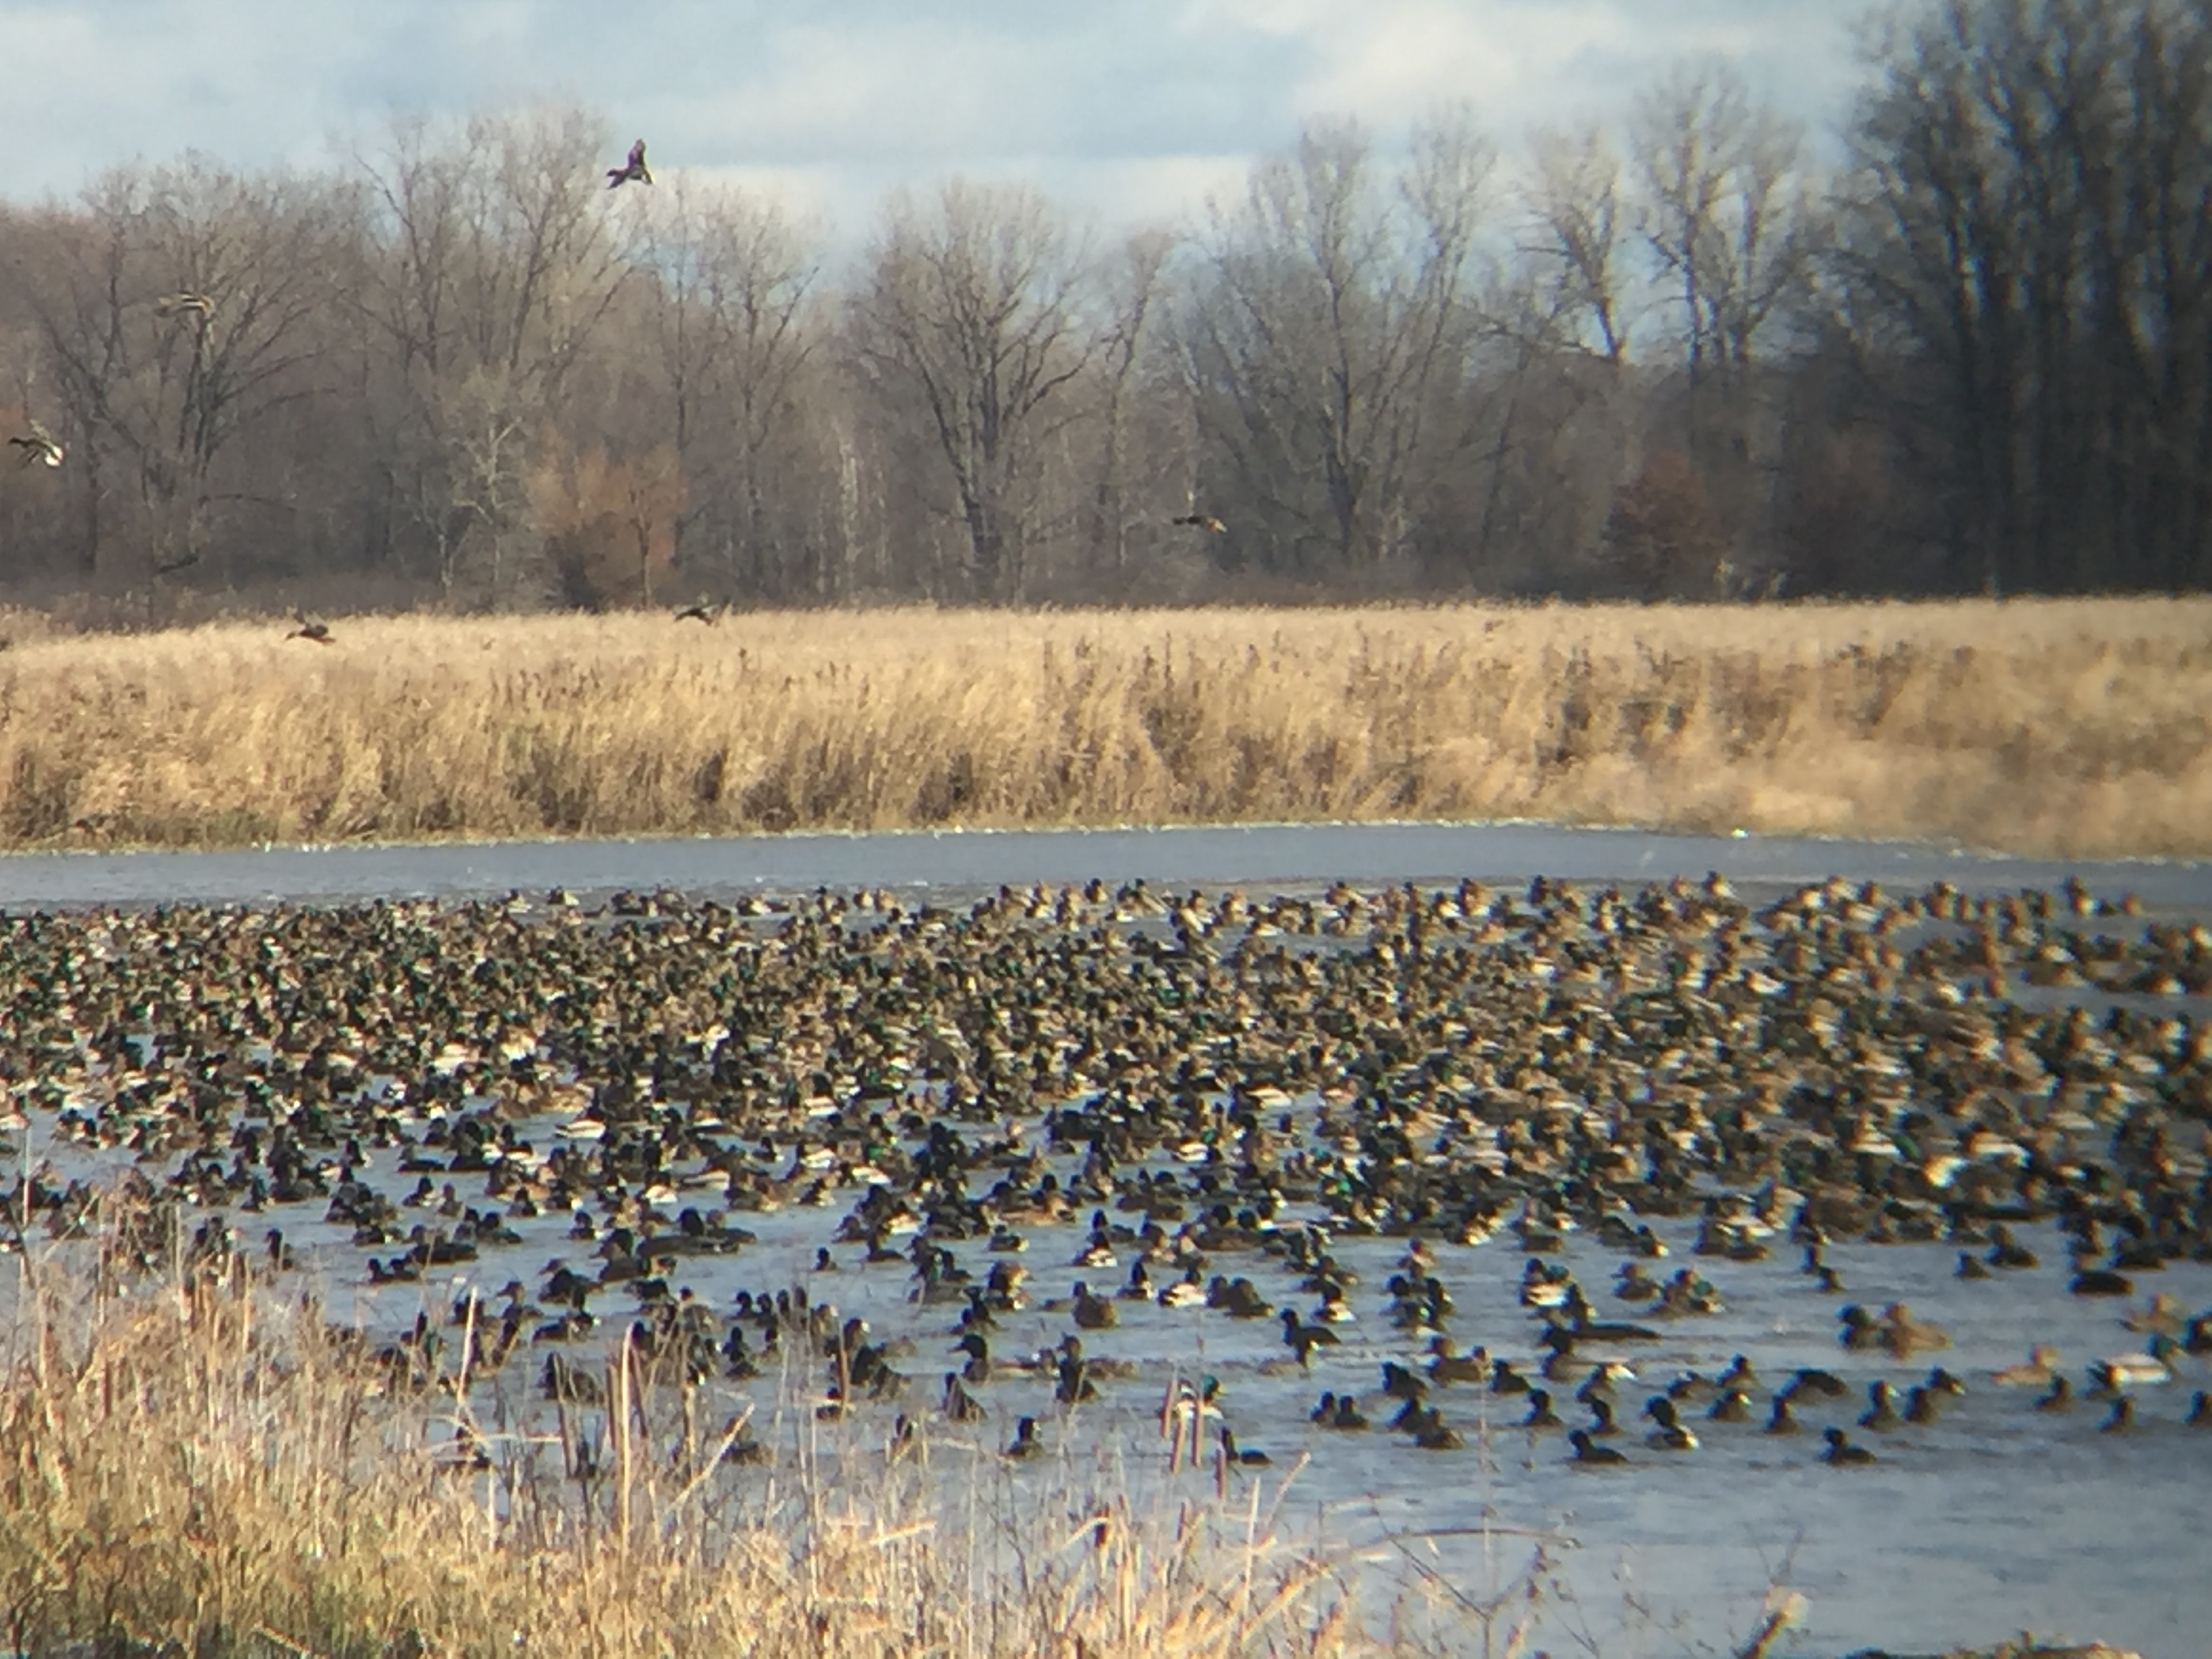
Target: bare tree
<point x="497" y="264"/>
<point x="1133" y="281"/>
<point x="185" y="312"/>
<point x="1330" y="309"/>
<point x="969" y="307"/>
<point x="1576" y="233"/>
<point x="733" y="283"/>
<point x="1724" y="214"/>
<point x="2028" y="248"/>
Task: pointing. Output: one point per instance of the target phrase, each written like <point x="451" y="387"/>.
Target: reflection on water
<point x="967" y="861"/>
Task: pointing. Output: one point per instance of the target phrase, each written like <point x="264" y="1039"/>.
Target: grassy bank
<point x="209" y="1471"/>
<point x="2074" y="727"/>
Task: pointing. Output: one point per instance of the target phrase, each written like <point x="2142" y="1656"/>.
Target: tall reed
<point x="200" y="1467"/>
<point x="2079" y="728"/>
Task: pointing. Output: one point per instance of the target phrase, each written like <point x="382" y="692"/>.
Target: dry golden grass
<point x="2075" y="727"/>
<point x="199" y="1469"/>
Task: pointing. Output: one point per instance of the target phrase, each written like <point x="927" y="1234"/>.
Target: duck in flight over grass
<point x="632" y="170"/>
<point x="38" y="445"/>
<point x="310" y="627"/>
<point x="700" y="610"/>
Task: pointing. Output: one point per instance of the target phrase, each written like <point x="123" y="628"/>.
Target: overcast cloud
<point x="1126" y="109"/>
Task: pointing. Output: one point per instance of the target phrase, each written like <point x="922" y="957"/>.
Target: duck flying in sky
<point x="634" y="169"/>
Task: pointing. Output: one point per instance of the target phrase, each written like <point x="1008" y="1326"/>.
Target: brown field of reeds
<point x="193" y="1467"/>
<point x="2070" y="728"/>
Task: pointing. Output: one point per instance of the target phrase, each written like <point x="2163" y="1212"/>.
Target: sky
<point x="1124" y="110"/>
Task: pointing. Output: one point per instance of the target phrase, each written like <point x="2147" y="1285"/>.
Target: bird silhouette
<point x="310" y="627"/>
<point x="1202" y="521"/>
<point x="634" y="169"/>
<point x="178" y="304"/>
<point x="38" y="445"/>
<point x="700" y="610"/>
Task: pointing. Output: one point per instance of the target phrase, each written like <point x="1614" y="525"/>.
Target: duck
<point x="2164" y="1317"/>
<point x="1303" y="1339"/>
<point x="311" y="628"/>
<point x="1205" y="521"/>
<point x="1091" y="1312"/>
<point x="1880" y="1414"/>
<point x="1589" y="1454"/>
<point x="632" y="171"/>
<point x="2035" y="1372"/>
<point x="1241" y="1456"/>
<point x="38" y="446"/>
<point x="1445" y="1366"/>
<point x="2101" y="1281"/>
<point x="1779" y="1420"/>
<point x="1971" y="1267"/>
<point x="2127" y="1370"/>
<point x="1671" y="1434"/>
<point x="1024" y="1443"/>
<point x="2200" y="1411"/>
<point x="1432" y="1433"/>
<point x="1841" y="1453"/>
<point x="2006" y="1251"/>
<point x="1185" y="1292"/>
<point x="2059" y="1397"/>
<point x="1542" y="1418"/>
<point x="1902" y="1336"/>
<point x="959" y="1405"/>
<point x="700" y="610"/>
<point x="1734" y="1406"/>
<point x="2122" y="1417"/>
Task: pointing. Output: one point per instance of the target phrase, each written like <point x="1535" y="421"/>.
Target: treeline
<point x="1967" y="347"/>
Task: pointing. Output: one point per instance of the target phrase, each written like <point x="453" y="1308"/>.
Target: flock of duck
<point x="1091" y="1117"/>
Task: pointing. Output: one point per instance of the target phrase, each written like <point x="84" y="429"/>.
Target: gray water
<point x="966" y="860"/>
<point x="1998" y="1519"/>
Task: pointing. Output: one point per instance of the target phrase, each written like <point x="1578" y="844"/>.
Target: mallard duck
<point x="1542" y="1418"/>
<point x="1880" y="1414"/>
<point x="1092" y="1313"/>
<point x="1241" y="1456"/>
<point x="632" y="171"/>
<point x="1205" y="521"/>
<point x="1432" y="1433"/>
<point x="1671" y="1434"/>
<point x="701" y="610"/>
<point x="1303" y="1339"/>
<point x="310" y="627"/>
<point x="1842" y="1453"/>
<point x="1588" y="1452"/>
<point x="38" y="445"/>
<point x="1024" y="1443"/>
<point x="2035" y="1372"/>
<point x="1445" y="1366"/>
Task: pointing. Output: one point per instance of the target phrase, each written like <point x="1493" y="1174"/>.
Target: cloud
<point x="837" y="102"/>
